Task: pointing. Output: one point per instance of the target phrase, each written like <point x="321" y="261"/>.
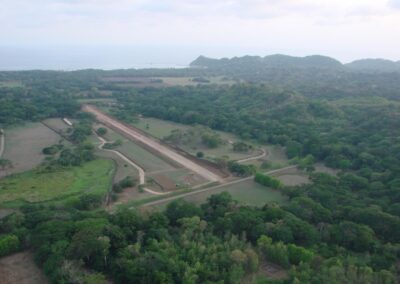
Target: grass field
<point x="57" y="124"/>
<point x="159" y="128"/>
<point x="145" y="159"/>
<point x="34" y="186"/>
<point x="24" y="144"/>
<point x="97" y="100"/>
<point x="11" y="84"/>
<point x="123" y="169"/>
<point x="246" y="192"/>
<point x="162" y="128"/>
<point x="187" y="81"/>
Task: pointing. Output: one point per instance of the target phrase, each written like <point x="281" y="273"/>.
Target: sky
<point x="177" y="31"/>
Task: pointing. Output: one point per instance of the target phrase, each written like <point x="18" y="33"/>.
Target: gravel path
<point x="142" y="176"/>
<point x="153" y="144"/>
<point x="262" y="155"/>
<point x="212" y="188"/>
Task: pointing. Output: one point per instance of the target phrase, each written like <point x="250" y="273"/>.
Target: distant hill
<point x="374" y="65"/>
<point x="279" y="61"/>
<point x="271" y="61"/>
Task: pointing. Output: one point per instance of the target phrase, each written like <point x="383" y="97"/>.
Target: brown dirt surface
<point x="165" y="182"/>
<point x="19" y="268"/>
<point x="273" y="271"/>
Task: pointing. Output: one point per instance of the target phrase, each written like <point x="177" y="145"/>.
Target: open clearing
<point x="246" y="192"/>
<point x="11" y="84"/>
<point x="140" y="82"/>
<point x="136" y="136"/>
<point x="151" y="164"/>
<point x="57" y="124"/>
<point x="123" y="169"/>
<point x="162" y="128"/>
<point x="24" y="144"/>
<point x="148" y="161"/>
<point x="34" y="186"/>
<point x="19" y="268"/>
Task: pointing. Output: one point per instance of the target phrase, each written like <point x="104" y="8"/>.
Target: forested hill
<point x="374" y="65"/>
<point x="312" y="76"/>
<point x="271" y="61"/>
<point x="279" y="61"/>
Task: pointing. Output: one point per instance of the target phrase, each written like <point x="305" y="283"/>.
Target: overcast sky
<point x="345" y="29"/>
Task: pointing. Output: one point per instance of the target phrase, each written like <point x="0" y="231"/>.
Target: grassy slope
<point x="33" y="186"/>
<point x="24" y="144"/>
<point x="246" y="192"/>
<point x="162" y="128"/>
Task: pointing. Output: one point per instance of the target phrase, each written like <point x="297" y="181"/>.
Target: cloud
<point x="394" y="4"/>
<point x="309" y="26"/>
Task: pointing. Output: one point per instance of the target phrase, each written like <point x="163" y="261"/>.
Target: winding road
<point x="212" y="188"/>
<point x="142" y="176"/>
<point x="135" y="135"/>
<point x="262" y="155"/>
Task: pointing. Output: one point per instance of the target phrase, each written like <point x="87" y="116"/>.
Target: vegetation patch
<point x="36" y="186"/>
<point x="24" y="145"/>
<point x="246" y="192"/>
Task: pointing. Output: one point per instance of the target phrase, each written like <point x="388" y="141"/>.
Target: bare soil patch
<point x="19" y="268"/>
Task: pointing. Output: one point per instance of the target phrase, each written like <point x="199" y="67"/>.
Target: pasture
<point x="57" y="124"/>
<point x="37" y="186"/>
<point x="148" y="161"/>
<point x="24" y="144"/>
<point x="246" y="192"/>
<point x="11" y="84"/>
<point x="162" y="128"/>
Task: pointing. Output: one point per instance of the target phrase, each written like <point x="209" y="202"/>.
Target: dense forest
<point x="337" y="229"/>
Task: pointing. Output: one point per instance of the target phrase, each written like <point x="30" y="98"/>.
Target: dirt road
<point x="262" y="155"/>
<point x="211" y="188"/>
<point x="2" y="134"/>
<point x="153" y="144"/>
<point x="142" y="177"/>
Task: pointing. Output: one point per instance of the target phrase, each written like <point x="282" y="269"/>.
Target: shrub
<point x="8" y="244"/>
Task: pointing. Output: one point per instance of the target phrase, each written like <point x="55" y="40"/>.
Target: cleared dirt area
<point x="293" y="180"/>
<point x="19" y="268"/>
<point x="137" y="136"/>
<point x="24" y="144"/>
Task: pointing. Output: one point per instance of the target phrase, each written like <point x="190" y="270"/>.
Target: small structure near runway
<point x="67" y="121"/>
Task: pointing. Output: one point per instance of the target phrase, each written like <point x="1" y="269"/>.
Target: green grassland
<point x="246" y="192"/>
<point x="159" y="128"/>
<point x="162" y="128"/>
<point x="11" y="84"/>
<point x="36" y="186"/>
<point x="24" y="144"/>
<point x="57" y="124"/>
<point x="188" y="81"/>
